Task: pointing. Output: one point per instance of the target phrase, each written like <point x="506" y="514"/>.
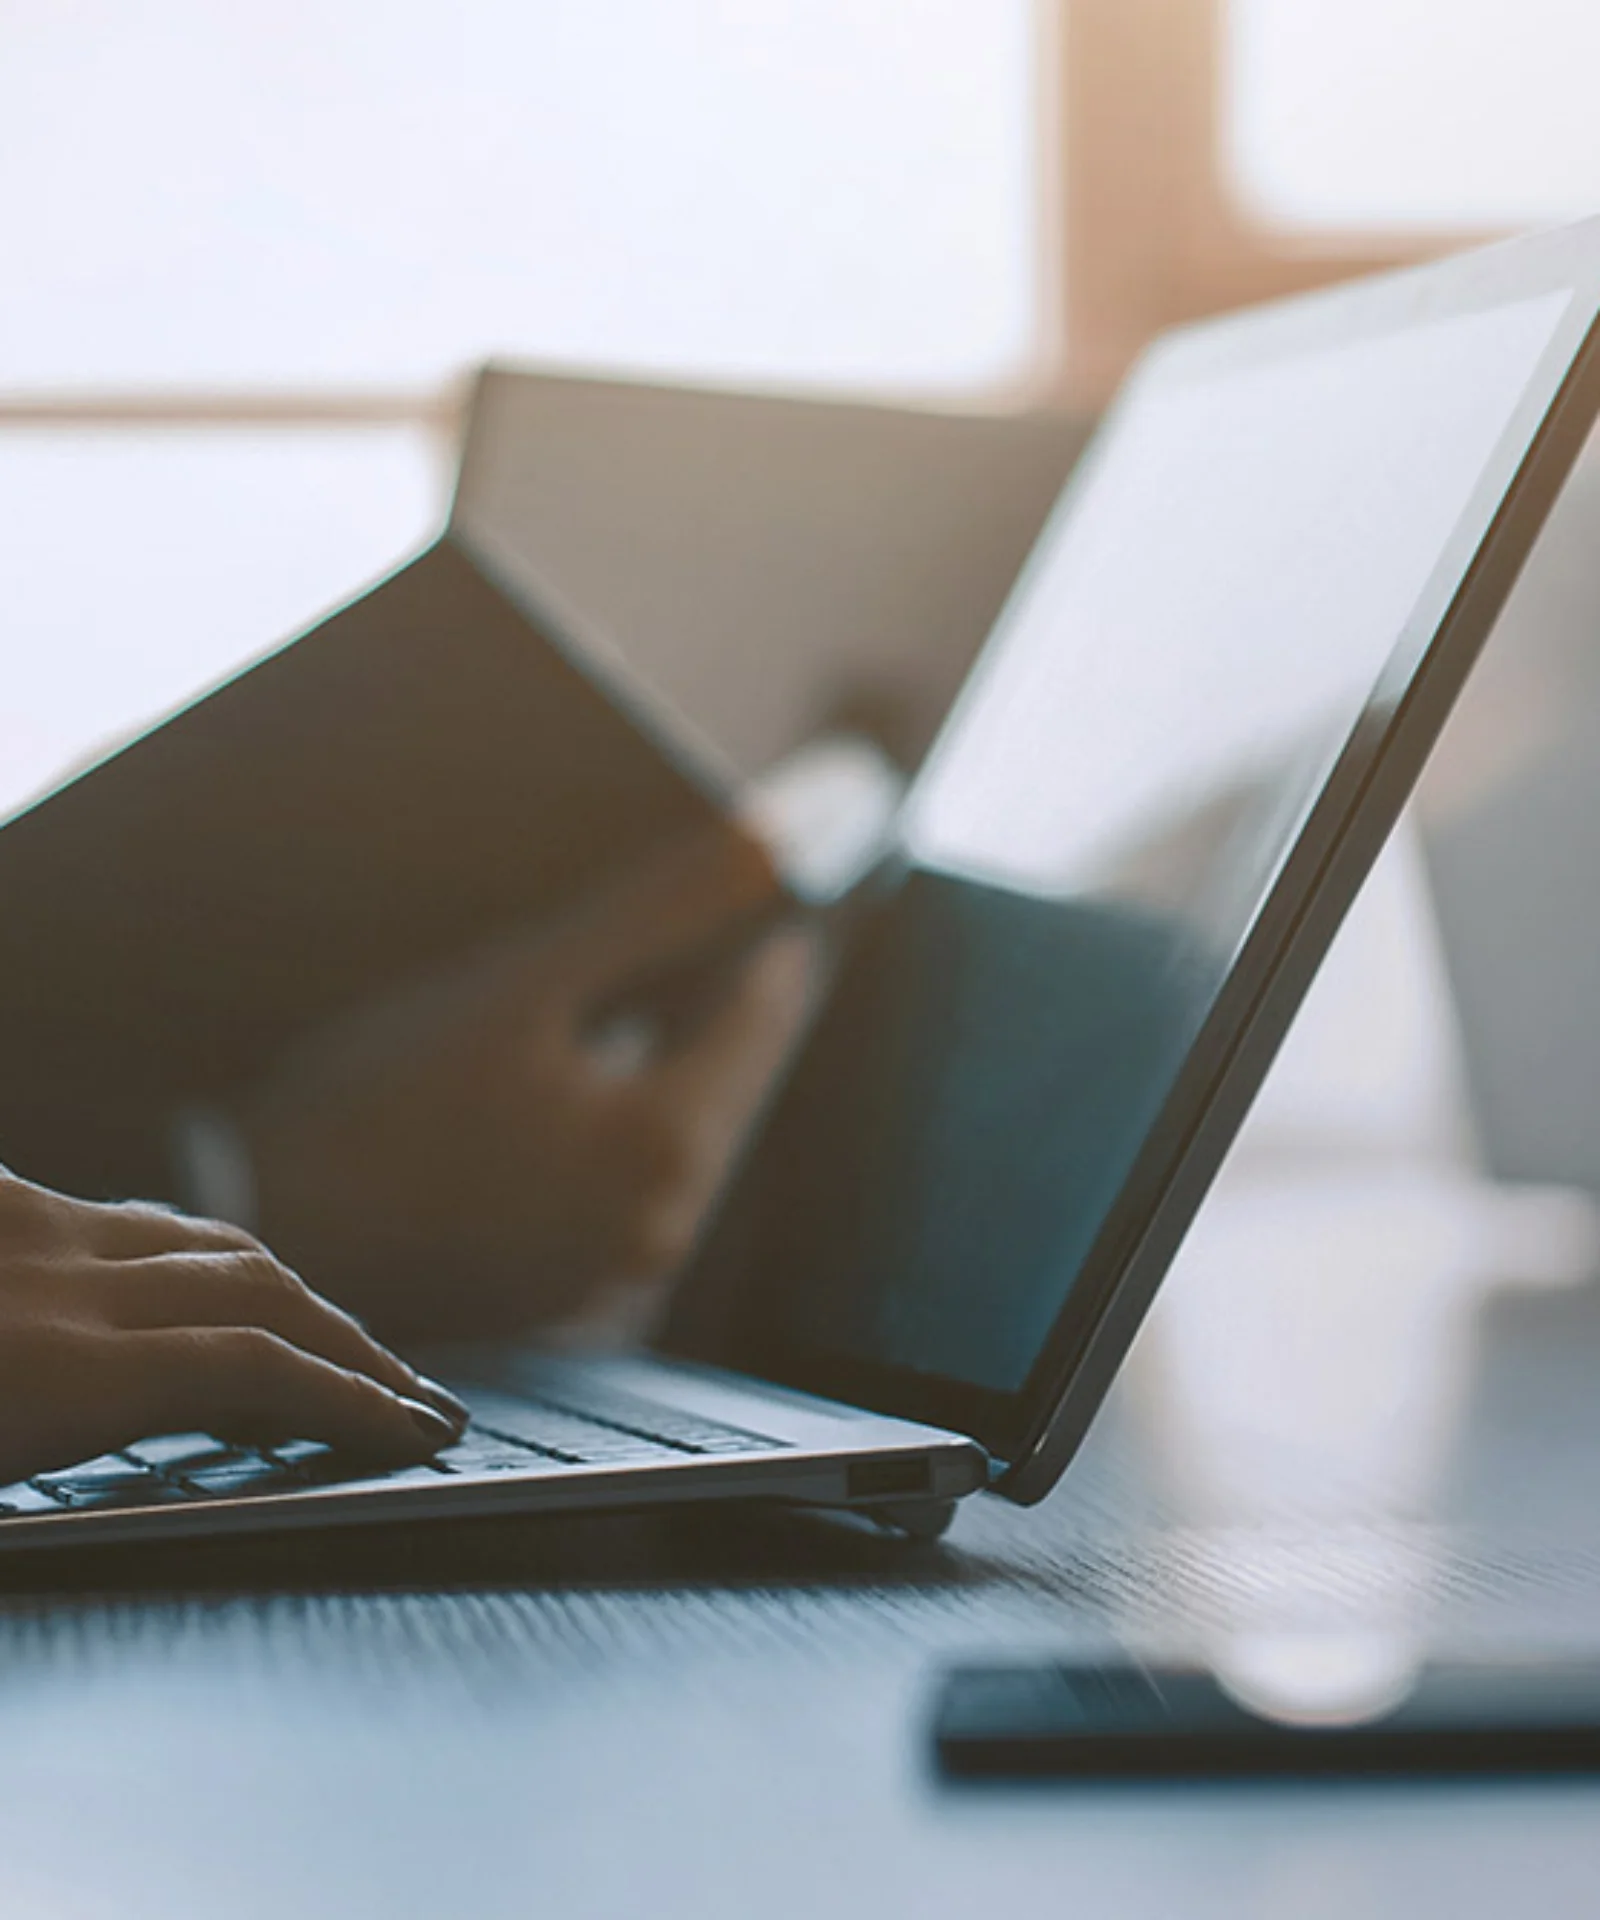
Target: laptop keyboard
<point x="507" y="1434"/>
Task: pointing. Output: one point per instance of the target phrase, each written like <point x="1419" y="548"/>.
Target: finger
<point x="246" y="1287"/>
<point x="679" y="1124"/>
<point x="110" y="1229"/>
<point x="244" y="1384"/>
<point x="132" y="1230"/>
<point x="664" y="912"/>
<point x="731" y="1056"/>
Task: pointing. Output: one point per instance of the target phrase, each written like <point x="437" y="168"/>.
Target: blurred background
<point x="252" y="252"/>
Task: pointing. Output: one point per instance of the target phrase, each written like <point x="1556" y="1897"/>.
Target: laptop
<point x="1200" y="712"/>
<point x="1510" y="822"/>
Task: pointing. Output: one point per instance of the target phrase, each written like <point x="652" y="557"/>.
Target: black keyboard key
<point x="148" y="1491"/>
<point x="509" y="1435"/>
<point x="558" y="1432"/>
<point x="581" y="1443"/>
<point x="332" y="1469"/>
<point x="167" y="1450"/>
<point x="686" y="1432"/>
<point x="110" y="1473"/>
<point x="249" y="1474"/>
<point x="23" y="1499"/>
<point x="481" y="1453"/>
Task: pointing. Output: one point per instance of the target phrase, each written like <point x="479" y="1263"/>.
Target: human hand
<point x="120" y="1322"/>
<point x="470" y="1156"/>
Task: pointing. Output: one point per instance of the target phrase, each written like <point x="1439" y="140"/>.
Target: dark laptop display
<point x="1187" y="701"/>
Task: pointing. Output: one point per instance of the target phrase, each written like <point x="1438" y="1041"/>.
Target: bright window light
<point x="286" y="195"/>
<point x="136" y="568"/>
<point x="1415" y="113"/>
<point x="375" y="193"/>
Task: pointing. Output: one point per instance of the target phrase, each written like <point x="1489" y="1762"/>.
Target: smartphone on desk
<point x="1035" y="1720"/>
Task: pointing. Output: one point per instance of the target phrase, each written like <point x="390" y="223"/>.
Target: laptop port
<point x="888" y="1478"/>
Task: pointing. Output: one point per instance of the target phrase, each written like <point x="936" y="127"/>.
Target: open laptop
<point x="1198" y="716"/>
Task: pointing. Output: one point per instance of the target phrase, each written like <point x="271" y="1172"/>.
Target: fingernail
<point x="435" y="1429"/>
<point x="449" y="1402"/>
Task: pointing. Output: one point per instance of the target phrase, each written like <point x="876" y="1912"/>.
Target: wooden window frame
<point x="1140" y="228"/>
<point x="1152" y="228"/>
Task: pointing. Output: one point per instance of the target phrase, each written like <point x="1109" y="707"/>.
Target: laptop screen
<point x="1254" y="541"/>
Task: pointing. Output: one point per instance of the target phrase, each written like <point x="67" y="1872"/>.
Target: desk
<point x="719" y="1715"/>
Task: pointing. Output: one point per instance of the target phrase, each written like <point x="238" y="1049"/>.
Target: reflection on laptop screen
<point x="1092" y="839"/>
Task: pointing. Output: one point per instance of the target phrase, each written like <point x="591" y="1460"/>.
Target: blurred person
<point x="471" y="1155"/>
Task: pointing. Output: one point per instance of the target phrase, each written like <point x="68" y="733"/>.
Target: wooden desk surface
<point x="722" y="1714"/>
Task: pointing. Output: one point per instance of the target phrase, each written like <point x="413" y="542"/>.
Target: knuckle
<point x="350" y="1397"/>
<point x="254" y="1270"/>
<point x="371" y="1395"/>
<point x="146" y="1213"/>
<point x="26" y="1213"/>
<point x="260" y="1359"/>
<point x="217" y="1232"/>
<point x="153" y="1221"/>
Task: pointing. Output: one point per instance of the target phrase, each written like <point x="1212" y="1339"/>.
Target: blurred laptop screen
<point x="1201" y="627"/>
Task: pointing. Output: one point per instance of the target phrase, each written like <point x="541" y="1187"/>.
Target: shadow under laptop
<point x="728" y="1544"/>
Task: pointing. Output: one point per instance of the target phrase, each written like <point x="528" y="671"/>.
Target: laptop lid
<point x="1194" y="724"/>
<point x="1511" y="829"/>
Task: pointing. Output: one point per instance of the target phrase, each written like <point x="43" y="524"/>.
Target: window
<point x="140" y="565"/>
<point x="374" y="194"/>
<point x="1216" y="152"/>
<point x="1400" y="114"/>
<point x="294" y="224"/>
<point x="249" y="249"/>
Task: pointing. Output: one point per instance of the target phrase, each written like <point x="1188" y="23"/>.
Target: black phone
<point x="1036" y="1720"/>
